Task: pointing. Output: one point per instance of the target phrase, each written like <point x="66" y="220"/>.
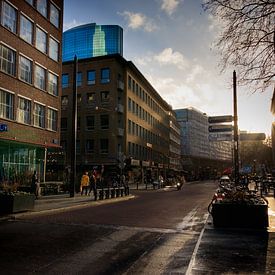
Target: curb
<point x="65" y="208"/>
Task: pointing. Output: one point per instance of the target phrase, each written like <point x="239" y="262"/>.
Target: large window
<point x="41" y="40"/>
<point x="9" y="17"/>
<point x="52" y="84"/>
<point x="39" y="115"/>
<point x="104" y="96"/>
<point x="91" y="77"/>
<point x="42" y="7"/>
<point x="24" y="111"/>
<point x="90" y="146"/>
<point x="53" y="49"/>
<point x="7" y="60"/>
<point x="40" y="77"/>
<point x="90" y="122"/>
<point x="26" y="29"/>
<point x="104" y="121"/>
<point x="25" y="66"/>
<point x="54" y="15"/>
<point x="65" y="81"/>
<point x="6" y="104"/>
<point x="105" y="75"/>
<point x="104" y="146"/>
<point x="52" y="119"/>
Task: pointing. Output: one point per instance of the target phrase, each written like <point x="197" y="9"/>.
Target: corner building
<point x="121" y="118"/>
<point x="30" y="85"/>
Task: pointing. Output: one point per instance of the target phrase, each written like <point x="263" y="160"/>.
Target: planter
<point x="17" y="202"/>
<point x="239" y="215"/>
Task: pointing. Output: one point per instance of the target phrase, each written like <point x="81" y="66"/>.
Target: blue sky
<point x="172" y="44"/>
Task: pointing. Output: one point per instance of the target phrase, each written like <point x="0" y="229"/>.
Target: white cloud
<point x="139" y="21"/>
<point x="71" y="24"/>
<point x="170" y="57"/>
<point x="169" y="6"/>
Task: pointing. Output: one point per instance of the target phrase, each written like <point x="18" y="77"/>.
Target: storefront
<point x="19" y="160"/>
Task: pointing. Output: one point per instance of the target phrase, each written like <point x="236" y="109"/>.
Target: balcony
<point x="120" y="132"/>
<point x="120" y="85"/>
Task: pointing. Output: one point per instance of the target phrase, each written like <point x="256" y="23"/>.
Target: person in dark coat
<point x="35" y="185"/>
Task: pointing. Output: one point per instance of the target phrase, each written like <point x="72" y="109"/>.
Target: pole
<point x="74" y="126"/>
<point x="236" y="138"/>
<point x="45" y="165"/>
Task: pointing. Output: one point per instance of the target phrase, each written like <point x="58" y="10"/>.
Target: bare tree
<point x="247" y="40"/>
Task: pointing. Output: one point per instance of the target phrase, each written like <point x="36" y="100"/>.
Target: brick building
<point x="30" y="86"/>
<point x="121" y="117"/>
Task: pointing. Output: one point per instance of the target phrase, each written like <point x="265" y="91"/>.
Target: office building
<point x="30" y="85"/>
<point x="91" y="40"/>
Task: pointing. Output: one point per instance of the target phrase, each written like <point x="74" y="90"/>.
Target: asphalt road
<point x="154" y="233"/>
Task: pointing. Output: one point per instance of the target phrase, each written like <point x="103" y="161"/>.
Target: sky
<point x="172" y="43"/>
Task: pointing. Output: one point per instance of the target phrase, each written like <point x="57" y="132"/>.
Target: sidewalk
<point x="235" y="251"/>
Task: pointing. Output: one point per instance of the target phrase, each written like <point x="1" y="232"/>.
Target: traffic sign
<point x="220" y="119"/>
<point x="220" y="137"/>
<point x="252" y="136"/>
<point x="220" y="128"/>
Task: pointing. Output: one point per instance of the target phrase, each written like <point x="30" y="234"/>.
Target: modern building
<point x="199" y="155"/>
<point x="121" y="118"/>
<point x="30" y="86"/>
<point x="91" y="40"/>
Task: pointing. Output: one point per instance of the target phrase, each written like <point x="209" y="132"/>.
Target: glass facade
<point x="92" y="40"/>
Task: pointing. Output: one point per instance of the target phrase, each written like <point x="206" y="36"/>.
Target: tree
<point x="247" y="40"/>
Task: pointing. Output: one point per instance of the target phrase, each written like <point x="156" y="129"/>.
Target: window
<point x="64" y="124"/>
<point x="90" y="122"/>
<point x="54" y="15"/>
<point x="52" y="84"/>
<point x="24" y="111"/>
<point x="129" y="82"/>
<point x="6" y="105"/>
<point x="9" y="16"/>
<point x="65" y="81"/>
<point x="79" y="79"/>
<point x="30" y="2"/>
<point x="91" y="77"/>
<point x="78" y="99"/>
<point x="104" y="96"/>
<point x="40" y="77"/>
<point x="42" y="7"/>
<point x="41" y="40"/>
<point x="90" y="98"/>
<point x="90" y="146"/>
<point x="25" y="69"/>
<point x="53" y="49"/>
<point x="105" y="75"/>
<point x="26" y="29"/>
<point x="64" y="100"/>
<point x="104" y="146"/>
<point x="39" y="115"/>
<point x="52" y="119"/>
<point x="7" y="60"/>
<point x="104" y="121"/>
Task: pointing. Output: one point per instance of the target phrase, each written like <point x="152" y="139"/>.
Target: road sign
<point x="252" y="136"/>
<point x="220" y="119"/>
<point x="220" y="128"/>
<point x="220" y="137"/>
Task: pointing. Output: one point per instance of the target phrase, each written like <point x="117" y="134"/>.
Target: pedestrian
<point x="93" y="186"/>
<point x="84" y="183"/>
<point x="35" y="185"/>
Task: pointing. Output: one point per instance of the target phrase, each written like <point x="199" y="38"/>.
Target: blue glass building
<point x="91" y="40"/>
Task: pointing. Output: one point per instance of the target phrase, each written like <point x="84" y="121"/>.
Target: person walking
<point x="84" y="183"/>
<point x="35" y="185"/>
<point x="93" y="186"/>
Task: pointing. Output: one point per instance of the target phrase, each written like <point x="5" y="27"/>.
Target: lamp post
<point x="74" y="126"/>
<point x="236" y="138"/>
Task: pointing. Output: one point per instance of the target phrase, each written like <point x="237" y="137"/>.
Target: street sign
<point x="220" y="119"/>
<point x="252" y="136"/>
<point x="220" y="137"/>
<point x="220" y="128"/>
